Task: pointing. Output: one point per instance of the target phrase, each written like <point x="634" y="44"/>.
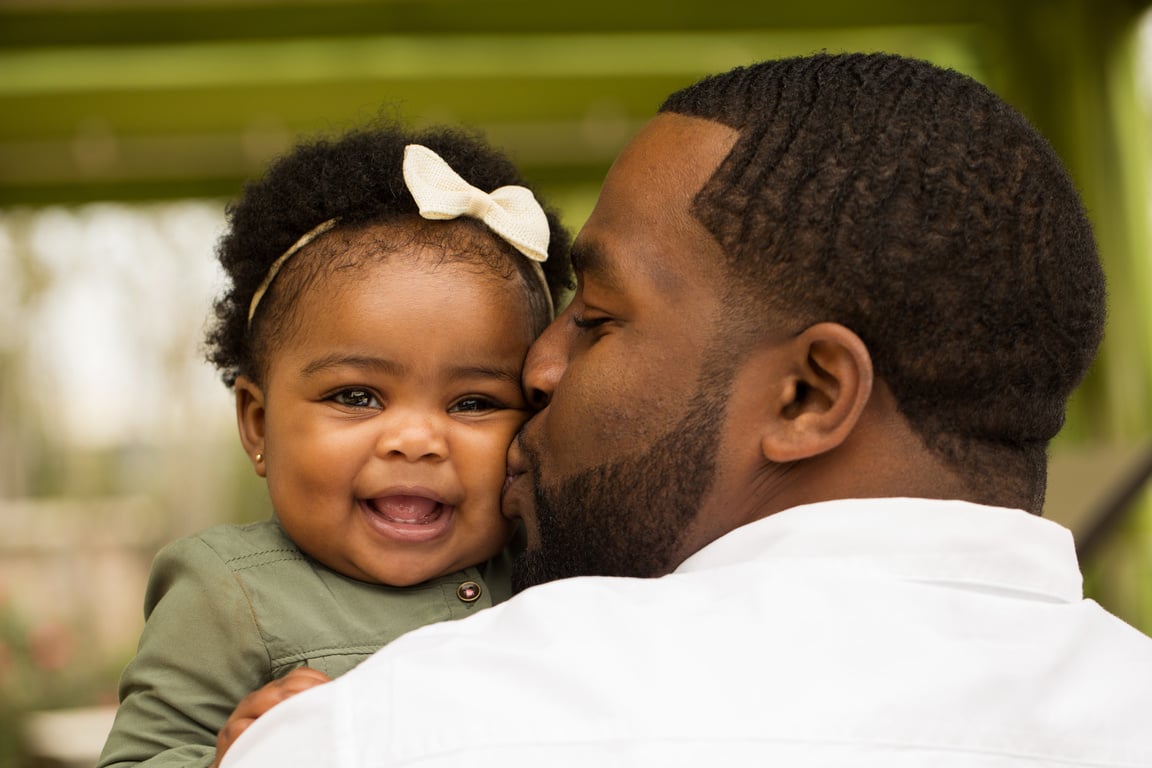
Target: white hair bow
<point x="511" y="212"/>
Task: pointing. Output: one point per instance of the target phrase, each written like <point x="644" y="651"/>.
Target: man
<point x="829" y="312"/>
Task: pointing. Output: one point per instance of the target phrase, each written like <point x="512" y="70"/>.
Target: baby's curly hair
<point x="355" y="178"/>
<point x="912" y="205"/>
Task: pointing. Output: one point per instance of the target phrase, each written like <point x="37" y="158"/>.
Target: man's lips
<point x="514" y="496"/>
<point x="517" y="459"/>
<point x="516" y="463"/>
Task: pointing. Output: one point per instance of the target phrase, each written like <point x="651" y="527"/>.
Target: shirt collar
<point x="913" y="539"/>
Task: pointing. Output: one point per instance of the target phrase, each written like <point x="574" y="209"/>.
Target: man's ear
<point x="250" y="421"/>
<point x="820" y="393"/>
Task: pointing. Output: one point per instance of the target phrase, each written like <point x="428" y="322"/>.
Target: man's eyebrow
<point x="588" y="259"/>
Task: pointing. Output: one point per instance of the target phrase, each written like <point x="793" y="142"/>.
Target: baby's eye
<point x="475" y="404"/>
<point x="356" y="397"/>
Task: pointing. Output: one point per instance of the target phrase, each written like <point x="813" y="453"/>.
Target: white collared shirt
<point x="881" y="632"/>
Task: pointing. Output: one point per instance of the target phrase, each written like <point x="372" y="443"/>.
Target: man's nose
<point x="546" y="361"/>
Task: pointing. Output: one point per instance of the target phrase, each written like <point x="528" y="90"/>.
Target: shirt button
<point x="468" y="592"/>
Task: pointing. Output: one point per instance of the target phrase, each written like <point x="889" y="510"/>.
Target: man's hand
<point x="260" y="701"/>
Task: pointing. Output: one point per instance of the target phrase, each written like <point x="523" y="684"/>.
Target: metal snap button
<point x="468" y="592"/>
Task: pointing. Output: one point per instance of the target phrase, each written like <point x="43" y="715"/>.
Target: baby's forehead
<point x="350" y="253"/>
<point x="333" y="268"/>
<point x="416" y="239"/>
<point x="342" y="269"/>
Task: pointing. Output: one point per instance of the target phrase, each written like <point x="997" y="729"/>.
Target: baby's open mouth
<point x="407" y="510"/>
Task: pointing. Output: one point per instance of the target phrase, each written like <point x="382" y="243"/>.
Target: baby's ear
<point x="822" y="386"/>
<point x="250" y="421"/>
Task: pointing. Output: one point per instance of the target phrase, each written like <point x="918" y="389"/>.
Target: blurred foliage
<point x="45" y="665"/>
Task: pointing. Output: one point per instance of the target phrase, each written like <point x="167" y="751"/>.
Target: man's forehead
<point x="684" y="146"/>
<point x="643" y="216"/>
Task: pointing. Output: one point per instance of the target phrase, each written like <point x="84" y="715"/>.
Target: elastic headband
<point x="511" y="212"/>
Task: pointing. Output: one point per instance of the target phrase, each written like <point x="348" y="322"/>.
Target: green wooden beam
<point x="170" y="120"/>
<point x="48" y="22"/>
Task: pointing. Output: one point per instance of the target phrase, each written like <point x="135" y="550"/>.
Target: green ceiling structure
<point x="177" y="98"/>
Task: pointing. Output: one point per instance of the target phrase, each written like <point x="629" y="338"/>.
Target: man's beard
<point x="629" y="517"/>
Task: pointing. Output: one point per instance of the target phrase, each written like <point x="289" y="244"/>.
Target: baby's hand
<point x="260" y="701"/>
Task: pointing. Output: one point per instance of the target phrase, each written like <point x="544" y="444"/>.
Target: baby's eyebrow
<point x="363" y="362"/>
<point x="389" y="367"/>
<point x="484" y="372"/>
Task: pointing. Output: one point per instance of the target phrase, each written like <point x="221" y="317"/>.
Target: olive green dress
<point x="231" y="608"/>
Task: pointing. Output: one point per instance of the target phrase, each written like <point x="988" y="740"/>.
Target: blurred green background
<point x="126" y="126"/>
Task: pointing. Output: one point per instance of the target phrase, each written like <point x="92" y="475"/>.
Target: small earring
<point x="259" y="457"/>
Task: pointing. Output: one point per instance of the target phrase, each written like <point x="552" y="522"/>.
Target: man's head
<point x="812" y="278"/>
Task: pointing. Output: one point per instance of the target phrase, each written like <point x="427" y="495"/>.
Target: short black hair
<point x="355" y="178"/>
<point x="909" y="203"/>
